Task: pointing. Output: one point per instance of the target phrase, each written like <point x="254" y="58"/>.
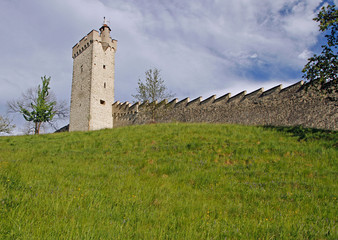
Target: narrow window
<point x="104" y="85"/>
<point x="102" y="102"/>
<point x="104" y="66"/>
<point x="81" y="68"/>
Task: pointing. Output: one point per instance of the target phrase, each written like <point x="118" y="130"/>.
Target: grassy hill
<point x="170" y="181"/>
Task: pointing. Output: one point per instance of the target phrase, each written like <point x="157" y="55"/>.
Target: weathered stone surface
<point x="290" y="106"/>
<point x="93" y="82"/>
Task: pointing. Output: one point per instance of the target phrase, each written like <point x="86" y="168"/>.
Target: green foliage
<point x="41" y="110"/>
<point x="38" y="106"/>
<point x="170" y="181"/>
<point x="327" y="19"/>
<point x="153" y="88"/>
<point x="6" y="125"/>
<point x="323" y="68"/>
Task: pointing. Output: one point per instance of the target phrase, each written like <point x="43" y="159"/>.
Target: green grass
<point x="170" y="181"/>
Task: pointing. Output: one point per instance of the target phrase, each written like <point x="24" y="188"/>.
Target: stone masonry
<point x="93" y="81"/>
<point x="295" y="105"/>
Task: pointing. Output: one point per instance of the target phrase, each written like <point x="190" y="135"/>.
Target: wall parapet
<point x="254" y="95"/>
<point x="271" y="91"/>
<point x="195" y="102"/>
<point x="290" y="106"/>
<point x="223" y="98"/>
<point x="209" y="100"/>
<point x="238" y="97"/>
<point x="182" y="103"/>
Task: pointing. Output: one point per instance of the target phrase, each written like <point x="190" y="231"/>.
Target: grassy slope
<point x="169" y="181"/>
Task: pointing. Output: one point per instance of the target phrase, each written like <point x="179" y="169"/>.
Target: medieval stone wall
<point x="291" y="106"/>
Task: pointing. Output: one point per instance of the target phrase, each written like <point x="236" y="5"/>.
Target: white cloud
<point x="306" y="54"/>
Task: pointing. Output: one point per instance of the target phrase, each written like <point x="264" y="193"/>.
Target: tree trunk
<point x="37" y="128"/>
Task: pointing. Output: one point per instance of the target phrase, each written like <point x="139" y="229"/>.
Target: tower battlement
<point x="87" y="40"/>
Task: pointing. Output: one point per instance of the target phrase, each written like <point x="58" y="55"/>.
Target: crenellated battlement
<point x="85" y="42"/>
<point x="274" y="90"/>
<point x="238" y="97"/>
<point x="222" y="99"/>
<point x="293" y="105"/>
<point x="88" y="40"/>
<point x="126" y="107"/>
<point x="194" y="103"/>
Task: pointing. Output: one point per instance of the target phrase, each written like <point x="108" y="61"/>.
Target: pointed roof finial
<point x="105" y="24"/>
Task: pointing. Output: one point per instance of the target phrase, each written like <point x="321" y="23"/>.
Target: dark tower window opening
<point x="102" y="102"/>
<point x="104" y="66"/>
<point x="104" y="85"/>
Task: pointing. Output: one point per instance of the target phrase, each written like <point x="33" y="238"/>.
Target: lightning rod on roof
<point x="105" y="22"/>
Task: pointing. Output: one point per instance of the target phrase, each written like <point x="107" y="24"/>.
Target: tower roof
<point x="105" y="24"/>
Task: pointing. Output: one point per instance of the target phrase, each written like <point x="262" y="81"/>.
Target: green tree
<point x="38" y="106"/>
<point x="6" y="125"/>
<point x="322" y="68"/>
<point x="153" y="90"/>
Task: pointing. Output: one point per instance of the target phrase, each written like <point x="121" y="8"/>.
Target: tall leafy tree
<point x="322" y="68"/>
<point x="41" y="111"/>
<point x="38" y="105"/>
<point x="152" y="89"/>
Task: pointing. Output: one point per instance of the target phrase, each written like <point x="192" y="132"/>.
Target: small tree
<point x="6" y="125"/>
<point x="152" y="90"/>
<point x="38" y="106"/>
<point x="323" y="68"/>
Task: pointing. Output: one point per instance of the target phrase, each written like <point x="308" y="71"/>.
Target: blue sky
<point x="202" y="47"/>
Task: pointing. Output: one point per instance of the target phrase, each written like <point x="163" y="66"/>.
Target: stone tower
<point x="93" y="81"/>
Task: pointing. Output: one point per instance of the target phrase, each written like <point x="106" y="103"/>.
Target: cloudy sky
<point x="202" y="47"/>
